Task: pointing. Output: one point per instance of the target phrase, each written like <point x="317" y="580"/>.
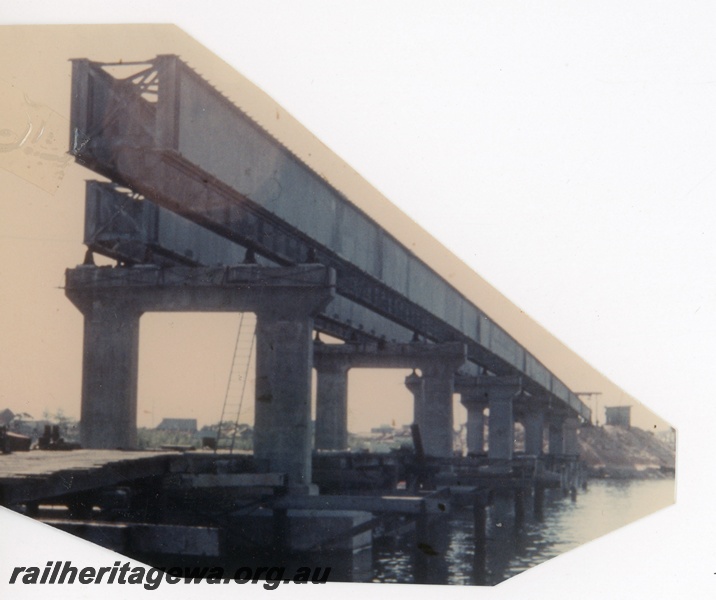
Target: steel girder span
<point x="167" y="134"/>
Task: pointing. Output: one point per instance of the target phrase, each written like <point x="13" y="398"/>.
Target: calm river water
<point x="605" y="506"/>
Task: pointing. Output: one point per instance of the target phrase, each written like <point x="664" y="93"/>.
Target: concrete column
<point x="556" y="434"/>
<point x="475" y="422"/>
<point x="282" y="441"/>
<point x="331" y="405"/>
<point x="476" y="430"/>
<point x="500" y="394"/>
<point x="501" y="425"/>
<point x="571" y="443"/>
<point x="437" y="420"/>
<point x="284" y="359"/>
<point x="533" y="421"/>
<point x="110" y="364"/>
<point x="414" y="383"/>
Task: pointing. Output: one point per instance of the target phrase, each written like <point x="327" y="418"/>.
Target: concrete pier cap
<point x="285" y="301"/>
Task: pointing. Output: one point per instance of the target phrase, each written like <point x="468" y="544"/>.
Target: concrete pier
<point x="415" y="386"/>
<point x="476" y="428"/>
<point x="282" y="425"/>
<point x="532" y="419"/>
<point x="500" y="394"/>
<point x="473" y="397"/>
<point x="432" y="393"/>
<point x="475" y="405"/>
<point x="331" y="403"/>
<point x="110" y="365"/>
<point x="436" y="426"/>
<point x="285" y="300"/>
<point x="556" y="434"/>
<point x="571" y="443"/>
<point x="502" y="427"/>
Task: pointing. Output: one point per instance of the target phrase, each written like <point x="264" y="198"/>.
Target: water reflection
<point x="515" y="539"/>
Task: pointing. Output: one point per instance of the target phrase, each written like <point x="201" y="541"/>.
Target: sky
<point x="565" y="152"/>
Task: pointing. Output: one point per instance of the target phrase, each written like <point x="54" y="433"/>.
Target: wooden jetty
<point x="151" y="505"/>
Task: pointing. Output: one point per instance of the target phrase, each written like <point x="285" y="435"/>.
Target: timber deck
<point x="41" y="474"/>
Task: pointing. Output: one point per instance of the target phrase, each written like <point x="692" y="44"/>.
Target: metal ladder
<point x="238" y="378"/>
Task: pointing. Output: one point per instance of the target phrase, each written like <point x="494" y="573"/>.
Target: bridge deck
<point x="194" y="152"/>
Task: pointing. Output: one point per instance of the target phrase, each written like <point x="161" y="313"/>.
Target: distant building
<point x="185" y="425"/>
<point x="619" y="416"/>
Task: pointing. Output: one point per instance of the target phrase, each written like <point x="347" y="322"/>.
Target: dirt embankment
<point x="621" y="453"/>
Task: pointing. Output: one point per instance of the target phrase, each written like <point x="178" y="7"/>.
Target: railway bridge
<point x="207" y="211"/>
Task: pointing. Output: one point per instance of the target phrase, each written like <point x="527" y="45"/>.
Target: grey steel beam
<point x="133" y="230"/>
<point x="197" y="154"/>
